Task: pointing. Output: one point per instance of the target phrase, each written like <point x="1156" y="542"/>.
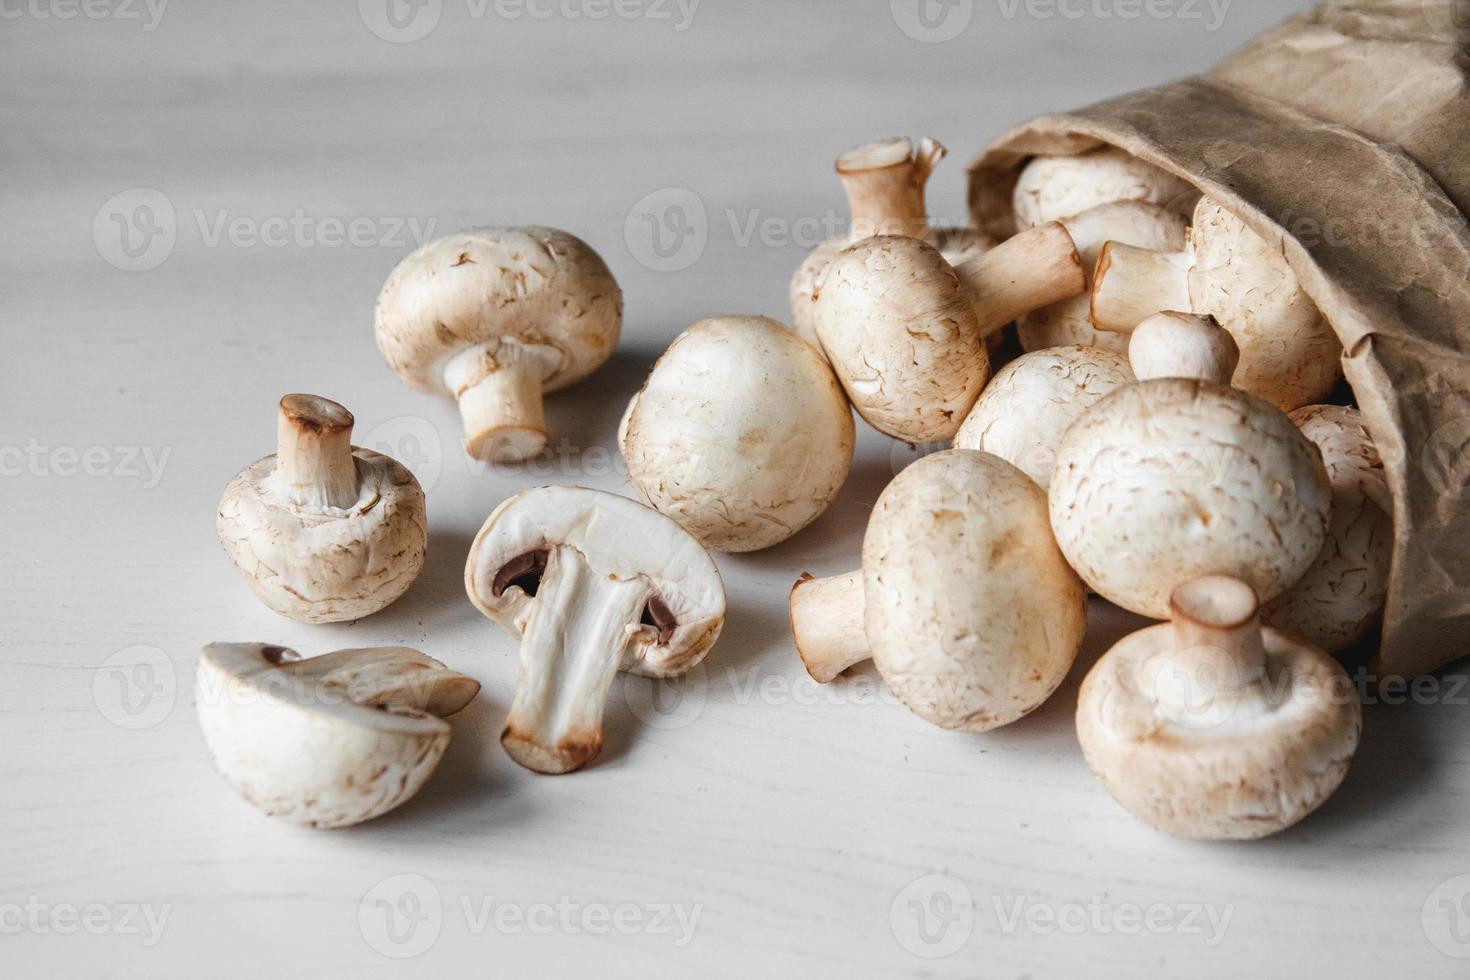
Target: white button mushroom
<point x="905" y="331"/>
<point x="1289" y="354"/>
<point x="1032" y="402"/>
<point x="1340" y="599"/>
<point x="969" y="610"/>
<point x="741" y="433"/>
<point x="592" y="583"/>
<point x="1051" y="188"/>
<point x="1167" y="480"/>
<point x="885" y="192"/>
<point x="493" y="318"/>
<point x="1211" y="728"/>
<point x="330" y="741"/>
<point x="1183" y="345"/>
<point x="323" y="531"/>
<point x="1132" y="222"/>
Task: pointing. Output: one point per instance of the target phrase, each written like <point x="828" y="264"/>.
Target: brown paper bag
<point x="1344" y="135"/>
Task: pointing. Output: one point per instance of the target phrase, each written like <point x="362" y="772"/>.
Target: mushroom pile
<point x="1134" y="443"/>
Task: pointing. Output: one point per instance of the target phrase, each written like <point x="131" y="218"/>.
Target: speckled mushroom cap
<point x="741" y="433"/>
<point x="329" y="741"/>
<point x="1032" y="402"/>
<point x="971" y="612"/>
<point x="1341" y="597"/>
<point x="1051" y="188"/>
<point x="1237" y="751"/>
<point x="1167" y="480"/>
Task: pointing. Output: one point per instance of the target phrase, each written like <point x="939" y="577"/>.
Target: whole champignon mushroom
<point x="969" y="610"/>
<point x="1289" y="354"/>
<point x="741" y="433"/>
<point x="592" y="583"/>
<point x="1211" y="728"/>
<point x="331" y="741"/>
<point x="1051" y="188"/>
<point x="1136" y="223"/>
<point x="324" y="532"/>
<point x="1032" y="402"/>
<point x="906" y="332"/>
<point x="885" y="184"/>
<point x="1183" y="345"/>
<point x="495" y="317"/>
<point x="1167" y="480"/>
<point x="1341" y="597"/>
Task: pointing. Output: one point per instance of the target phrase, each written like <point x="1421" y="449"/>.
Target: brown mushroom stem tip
<point x="827" y="624"/>
<point x="314" y="452"/>
<point x="885" y="187"/>
<point x="1131" y="284"/>
<point x="1218" y="643"/>
<point x="498" y="388"/>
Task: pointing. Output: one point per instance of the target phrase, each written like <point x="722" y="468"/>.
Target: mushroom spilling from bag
<point x="1032" y="402"/>
<point x="1289" y="354"/>
<point x="885" y="184"/>
<point x="1136" y="223"/>
<point x="495" y="317"/>
<point x="1183" y="345"/>
<point x="1167" y="480"/>
<point x="1340" y="599"/>
<point x="591" y="583"/>
<point x="968" y="609"/>
<point x="741" y="433"/>
<point x="324" y="532"/>
<point x="329" y="741"/>
<point x="906" y="332"/>
<point x="1212" y="728"/>
<point x="1053" y="188"/>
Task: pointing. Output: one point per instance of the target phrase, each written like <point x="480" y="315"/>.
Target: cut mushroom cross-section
<point x="592" y="583"/>
<point x="329" y="741"/>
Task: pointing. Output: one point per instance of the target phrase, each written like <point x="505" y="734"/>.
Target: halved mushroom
<point x="592" y="583"/>
<point x="1136" y="223"/>
<point x="741" y="433"/>
<point x="1289" y="354"/>
<point x="493" y="318"/>
<point x="968" y="609"/>
<point x="324" y="532"/>
<point x="905" y="331"/>
<point x="1212" y="728"/>
<point x="885" y="191"/>
<point x="1032" y="402"/>
<point x="331" y="741"/>
<point x="1341" y="597"/>
<point x="1051" y="188"/>
<point x="1167" y="480"/>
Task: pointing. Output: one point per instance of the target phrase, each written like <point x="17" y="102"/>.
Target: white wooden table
<point x="270" y="162"/>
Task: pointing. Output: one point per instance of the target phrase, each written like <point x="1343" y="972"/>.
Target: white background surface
<point x="798" y="823"/>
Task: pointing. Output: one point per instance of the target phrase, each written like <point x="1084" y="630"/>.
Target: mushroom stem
<point x="1131" y="284"/>
<point x="498" y="387"/>
<point x="571" y="649"/>
<point x="827" y="624"/>
<point x="1183" y="345"/>
<point x="885" y="187"/>
<point x="314" y="453"/>
<point x="1218" y="645"/>
<point x="1034" y="269"/>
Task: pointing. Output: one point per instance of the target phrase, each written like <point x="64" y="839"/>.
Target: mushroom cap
<point x="1167" y="480"/>
<point x="1341" y="597"/>
<point x="741" y="433"/>
<point x="1051" y="188"/>
<point x="534" y="287"/>
<point x="902" y="335"/>
<point x="322" y="743"/>
<point x="326" y="565"/>
<point x="623" y="539"/>
<point x="1032" y="402"/>
<point x="1255" y="768"/>
<point x="1135" y="223"/>
<point x="972" y="614"/>
<point x="1289" y="354"/>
